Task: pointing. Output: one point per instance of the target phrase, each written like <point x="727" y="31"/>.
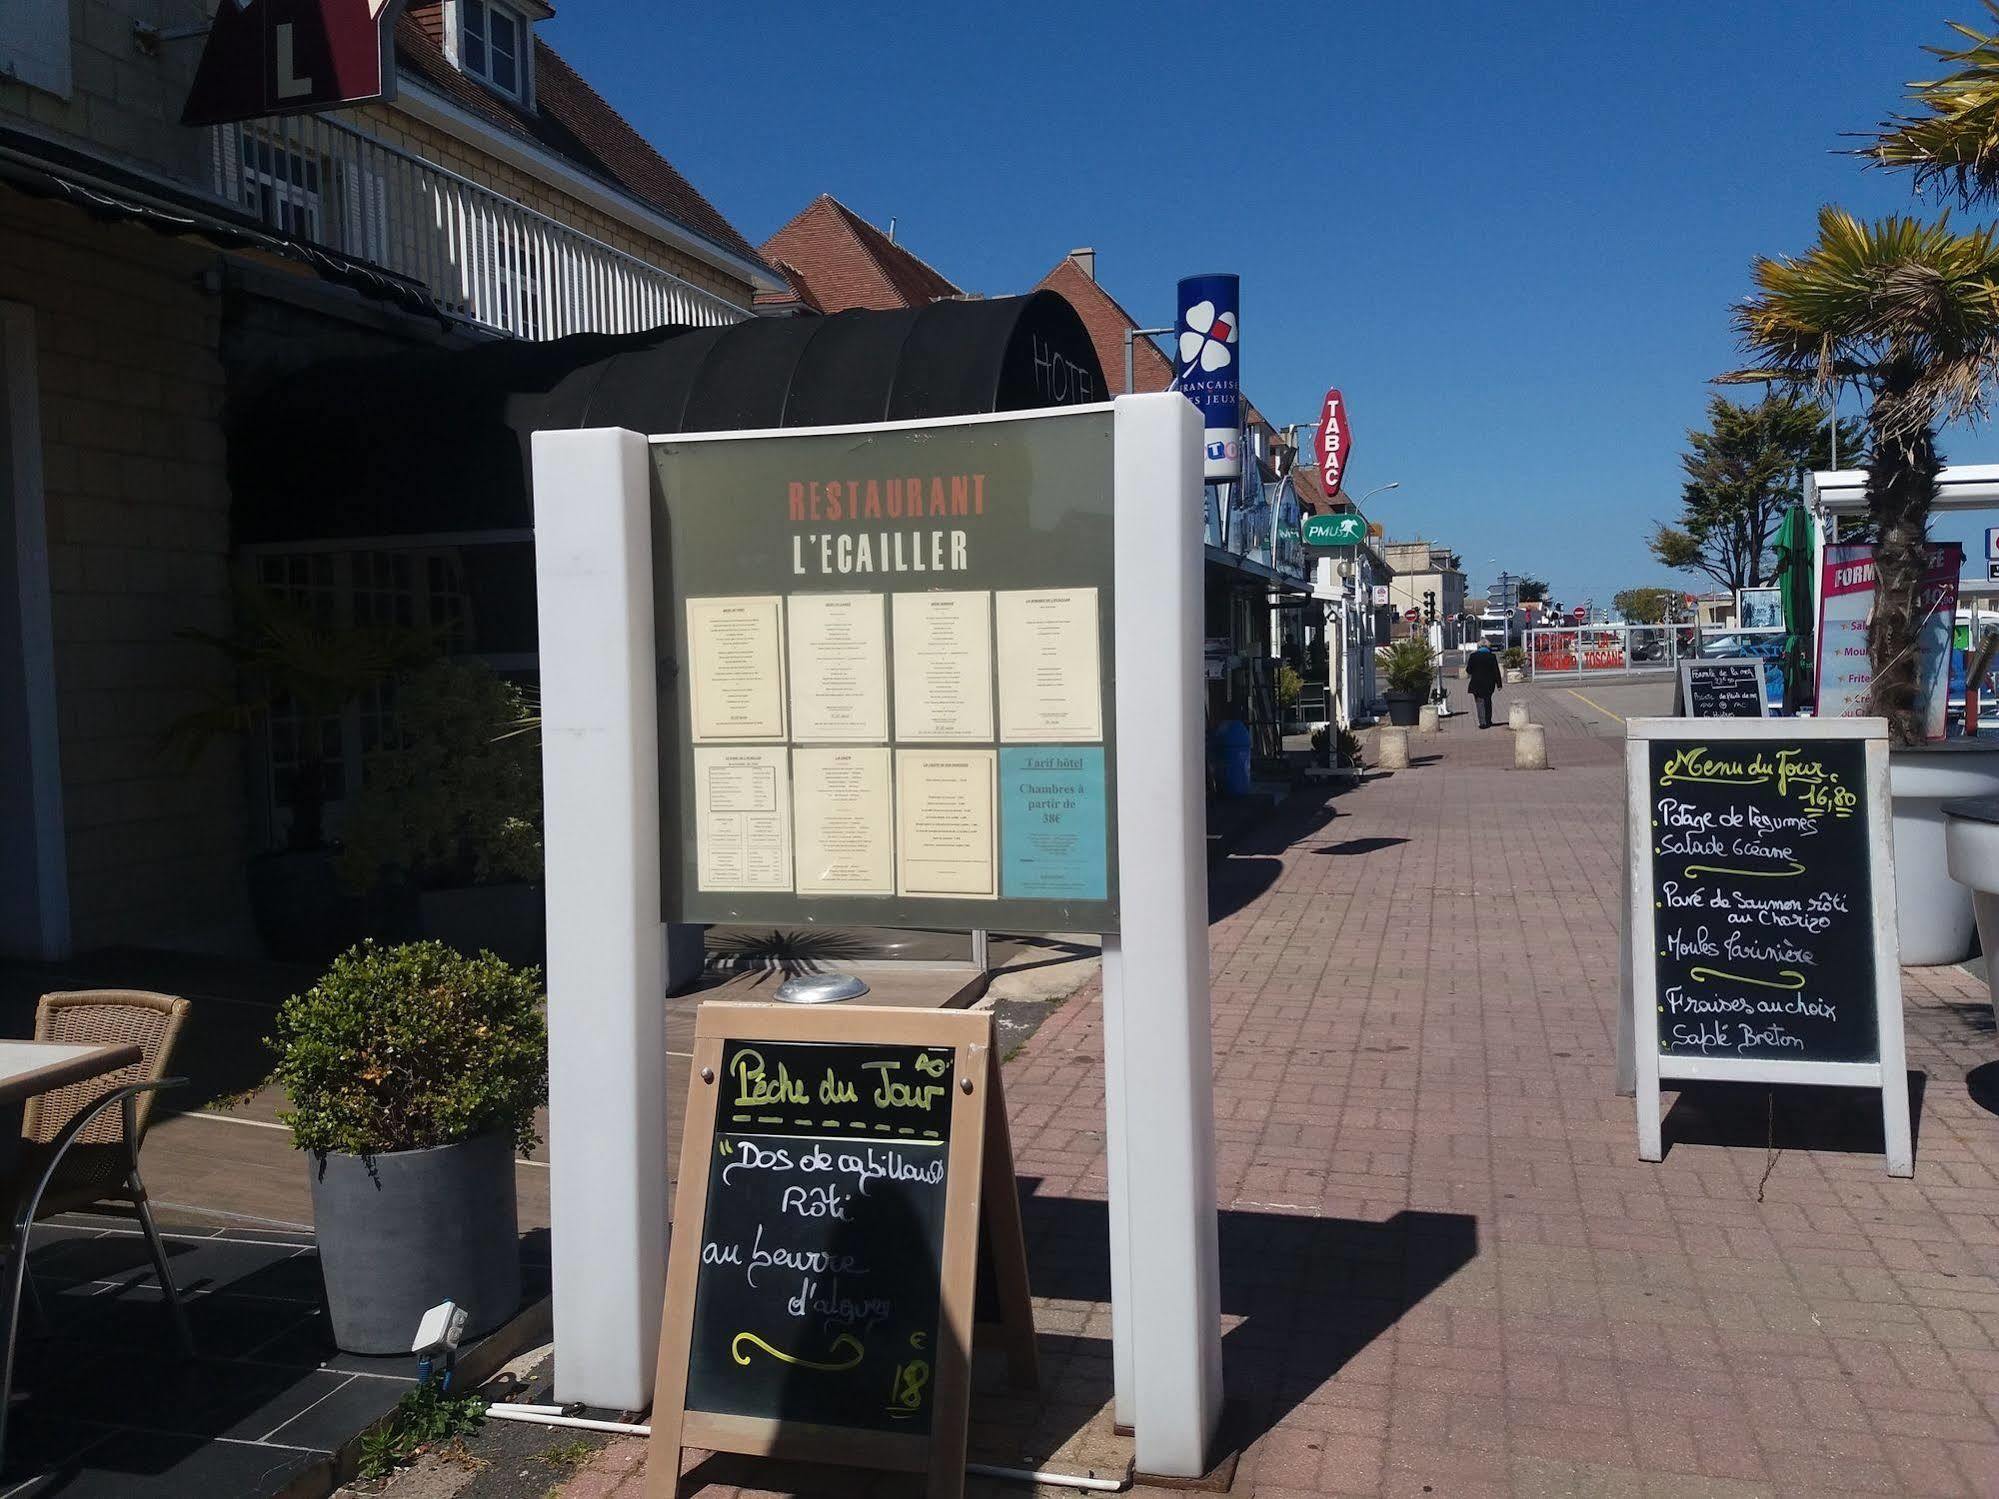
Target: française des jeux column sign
<point x="820" y="1290"/>
<point x="1764" y="888"/>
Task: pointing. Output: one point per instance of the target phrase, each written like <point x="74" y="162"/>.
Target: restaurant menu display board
<point x="821" y="1283"/>
<point x="1724" y="687"/>
<point x="1846" y="602"/>
<point x="891" y="676"/>
<point x="1762" y="910"/>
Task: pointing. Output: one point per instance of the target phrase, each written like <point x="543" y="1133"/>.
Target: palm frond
<point x="1952" y="137"/>
<point x="1899" y="294"/>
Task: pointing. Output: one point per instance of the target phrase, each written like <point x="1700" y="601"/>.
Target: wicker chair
<point x="77" y="1147"/>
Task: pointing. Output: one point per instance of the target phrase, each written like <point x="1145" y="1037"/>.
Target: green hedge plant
<point x="404" y="1048"/>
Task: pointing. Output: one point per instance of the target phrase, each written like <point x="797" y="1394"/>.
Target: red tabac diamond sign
<point x="1335" y="442"/>
<point x="277" y="57"/>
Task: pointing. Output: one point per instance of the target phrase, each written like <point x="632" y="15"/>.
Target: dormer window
<point x="494" y="46"/>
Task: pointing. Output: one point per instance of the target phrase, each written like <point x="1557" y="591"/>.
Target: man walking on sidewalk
<point x="1482" y="677"/>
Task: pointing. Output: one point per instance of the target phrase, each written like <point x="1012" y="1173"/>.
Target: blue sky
<point x="1511" y="234"/>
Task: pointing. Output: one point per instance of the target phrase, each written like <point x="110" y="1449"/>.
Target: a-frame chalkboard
<point x="1723" y="687"/>
<point x="1762" y="944"/>
<point x="820" y="1290"/>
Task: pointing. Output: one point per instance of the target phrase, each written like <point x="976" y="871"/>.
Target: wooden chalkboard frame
<point x="1890" y="1073"/>
<point x="979" y="1169"/>
<point x="1690" y="669"/>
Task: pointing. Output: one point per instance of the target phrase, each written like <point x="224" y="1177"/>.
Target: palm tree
<point x="1952" y="140"/>
<point x="1909" y="312"/>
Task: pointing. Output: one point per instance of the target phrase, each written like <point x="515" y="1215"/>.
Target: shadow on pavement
<point x="1353" y="846"/>
<point x="1304" y="1295"/>
<point x="1787" y="1116"/>
<point x="1234" y="883"/>
<point x="1982" y="1083"/>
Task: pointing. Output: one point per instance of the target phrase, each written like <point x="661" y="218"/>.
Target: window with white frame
<point x="493" y="45"/>
<point x="281" y="186"/>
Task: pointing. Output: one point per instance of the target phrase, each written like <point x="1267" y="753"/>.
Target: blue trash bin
<point x="1231" y="743"/>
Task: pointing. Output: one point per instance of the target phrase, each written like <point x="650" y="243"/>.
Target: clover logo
<point x="1207" y="340"/>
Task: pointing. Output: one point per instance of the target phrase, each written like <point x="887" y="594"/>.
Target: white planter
<point x="1933" y="912"/>
<point x="1971" y="839"/>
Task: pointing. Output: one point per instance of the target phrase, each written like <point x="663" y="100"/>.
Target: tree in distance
<point x="1743" y="471"/>
<point x="1647" y="606"/>
<point x="1531" y="591"/>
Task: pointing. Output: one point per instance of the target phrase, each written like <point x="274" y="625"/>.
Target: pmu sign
<point x="1335" y="442"/>
<point x="1346" y="529"/>
<point x="278" y="57"/>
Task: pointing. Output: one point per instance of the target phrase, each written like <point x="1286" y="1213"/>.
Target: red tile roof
<point x="837" y="260"/>
<point x="571" y="120"/>
<point x="1107" y="323"/>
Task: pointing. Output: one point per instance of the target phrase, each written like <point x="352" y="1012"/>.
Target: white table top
<point x="30" y="1067"/>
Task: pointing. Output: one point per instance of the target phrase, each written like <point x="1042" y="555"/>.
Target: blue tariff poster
<point x="1053" y="840"/>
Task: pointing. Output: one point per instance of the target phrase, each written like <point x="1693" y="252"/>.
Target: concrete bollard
<point x="1391" y="749"/>
<point x="1426" y="719"/>
<point x="1516" y="715"/>
<point x="1530" y="748"/>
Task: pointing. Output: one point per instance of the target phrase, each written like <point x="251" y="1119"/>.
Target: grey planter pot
<point x="401" y="1231"/>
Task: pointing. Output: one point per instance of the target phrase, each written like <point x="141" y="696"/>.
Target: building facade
<point x="156" y="277"/>
<point x="1429" y="578"/>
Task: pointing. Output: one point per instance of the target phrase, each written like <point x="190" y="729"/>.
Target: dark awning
<point x="946" y="359"/>
<point x="44" y="169"/>
<point x="436" y="442"/>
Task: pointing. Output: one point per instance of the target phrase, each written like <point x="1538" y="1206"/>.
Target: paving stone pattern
<point x="1445" y="1271"/>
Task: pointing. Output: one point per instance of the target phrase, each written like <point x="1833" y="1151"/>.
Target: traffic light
<point x="1429" y="606"/>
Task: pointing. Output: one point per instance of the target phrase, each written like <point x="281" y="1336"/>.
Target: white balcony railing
<point x="485" y="258"/>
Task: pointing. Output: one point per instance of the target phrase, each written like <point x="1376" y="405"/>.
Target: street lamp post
<point x="1129" y="335"/>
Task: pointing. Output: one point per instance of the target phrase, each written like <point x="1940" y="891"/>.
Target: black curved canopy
<point x="435" y="443"/>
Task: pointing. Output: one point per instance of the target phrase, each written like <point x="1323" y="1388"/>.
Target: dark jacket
<point x="1482" y="676"/>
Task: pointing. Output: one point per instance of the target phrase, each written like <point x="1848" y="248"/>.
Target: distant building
<point x="1428" y="576"/>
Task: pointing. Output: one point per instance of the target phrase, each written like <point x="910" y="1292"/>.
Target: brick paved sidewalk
<point x="1444" y="1269"/>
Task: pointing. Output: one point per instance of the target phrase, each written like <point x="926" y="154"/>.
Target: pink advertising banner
<point x="1846" y="603"/>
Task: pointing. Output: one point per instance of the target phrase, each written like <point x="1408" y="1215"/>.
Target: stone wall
<point x="131" y="393"/>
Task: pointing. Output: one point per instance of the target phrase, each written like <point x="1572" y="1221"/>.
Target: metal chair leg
<point x="159" y="1251"/>
<point x="10" y="1311"/>
<point x="35" y="1301"/>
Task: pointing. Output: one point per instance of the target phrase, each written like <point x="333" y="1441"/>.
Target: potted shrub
<point x="1513" y="661"/>
<point x="290" y="662"/>
<point x="414" y="1074"/>
<point x="1407" y="667"/>
<point x="452" y="810"/>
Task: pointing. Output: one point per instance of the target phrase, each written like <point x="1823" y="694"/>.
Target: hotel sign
<point x="279" y="57"/>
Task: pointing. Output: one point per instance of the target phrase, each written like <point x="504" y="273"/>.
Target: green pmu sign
<point x="1347" y="529"/>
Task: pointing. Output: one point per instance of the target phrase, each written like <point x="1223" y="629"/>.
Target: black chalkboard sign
<point x="817" y="1294"/>
<point x="1762" y="913"/>
<point x="1763" y="901"/>
<point x="826" y="1238"/>
<point x="1725" y="687"/>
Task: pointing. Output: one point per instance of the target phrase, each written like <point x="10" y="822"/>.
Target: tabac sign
<point x="276" y="57"/>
